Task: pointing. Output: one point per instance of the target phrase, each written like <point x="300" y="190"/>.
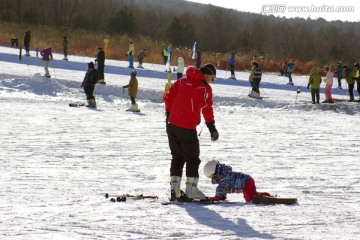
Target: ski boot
<point x="134" y="108"/>
<point x="176" y="193"/>
<point x="91" y="103"/>
<point x="192" y="191"/>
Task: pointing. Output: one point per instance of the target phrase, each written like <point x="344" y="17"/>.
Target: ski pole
<point x="298" y="90"/>
<point x="154" y="68"/>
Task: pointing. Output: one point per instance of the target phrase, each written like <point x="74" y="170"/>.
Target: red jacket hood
<point x="194" y="73"/>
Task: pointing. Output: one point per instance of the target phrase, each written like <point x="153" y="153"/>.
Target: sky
<point x="330" y="10"/>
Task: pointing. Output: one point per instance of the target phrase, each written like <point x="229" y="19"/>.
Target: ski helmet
<point x="356" y="64"/>
<point x="210" y="167"/>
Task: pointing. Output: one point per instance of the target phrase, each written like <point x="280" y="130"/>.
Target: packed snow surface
<point x="58" y="162"/>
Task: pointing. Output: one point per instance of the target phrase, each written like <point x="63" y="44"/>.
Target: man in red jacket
<point x="187" y="98"/>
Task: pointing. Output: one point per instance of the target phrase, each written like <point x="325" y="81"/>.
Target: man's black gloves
<point x="213" y="132"/>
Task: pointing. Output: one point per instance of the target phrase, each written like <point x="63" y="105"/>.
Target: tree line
<point x="214" y="29"/>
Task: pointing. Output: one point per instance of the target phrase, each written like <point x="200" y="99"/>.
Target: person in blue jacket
<point x="290" y="69"/>
<point x="232" y="66"/>
<point x="339" y="70"/>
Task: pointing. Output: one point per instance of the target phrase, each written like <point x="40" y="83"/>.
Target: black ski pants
<point x="185" y="148"/>
<point x="256" y="85"/>
<point x="315" y="93"/>
<point x="89" y="91"/>
<point x="351" y="91"/>
<point x="101" y="67"/>
<point x="232" y="69"/>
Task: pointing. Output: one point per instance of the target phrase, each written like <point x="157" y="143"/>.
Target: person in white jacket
<point x="180" y="68"/>
<point x="329" y="82"/>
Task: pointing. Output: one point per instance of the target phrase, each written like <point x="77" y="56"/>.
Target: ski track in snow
<point x="58" y="162"/>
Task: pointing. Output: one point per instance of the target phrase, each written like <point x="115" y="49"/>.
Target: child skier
<point x="141" y="57"/>
<point x="133" y="90"/>
<point x="230" y="182"/>
<point x="314" y="82"/>
<point x="329" y="82"/>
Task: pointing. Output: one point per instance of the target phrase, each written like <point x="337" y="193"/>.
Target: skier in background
<point x="27" y="39"/>
<point x="180" y="67"/>
<point x="339" y="70"/>
<point x="314" y="82"/>
<point x="230" y="182"/>
<point x="329" y="79"/>
<point x="46" y="58"/>
<point x="186" y="100"/>
<point x="133" y="90"/>
<point x="357" y="78"/>
<point x="347" y="74"/>
<point x="255" y="79"/>
<point x="130" y="54"/>
<point x="289" y="71"/>
<point x="100" y="60"/>
<point x="232" y="66"/>
<point x="283" y="71"/>
<point x="166" y="53"/>
<point x="90" y="80"/>
<point x="65" y="47"/>
<point x="141" y="57"/>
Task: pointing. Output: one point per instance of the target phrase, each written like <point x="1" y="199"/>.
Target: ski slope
<point x="58" y="162"/>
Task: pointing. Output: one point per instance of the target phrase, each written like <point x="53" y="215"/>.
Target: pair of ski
<point x="124" y="197"/>
<point x="256" y="200"/>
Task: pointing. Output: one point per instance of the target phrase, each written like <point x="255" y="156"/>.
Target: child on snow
<point x="133" y="90"/>
<point x="141" y="57"/>
<point x="230" y="182"/>
<point x="314" y="82"/>
<point x="329" y="82"/>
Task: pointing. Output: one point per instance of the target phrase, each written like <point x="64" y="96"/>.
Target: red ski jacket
<point x="187" y="98"/>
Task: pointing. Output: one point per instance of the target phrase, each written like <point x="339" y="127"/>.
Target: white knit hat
<point x="210" y="167"/>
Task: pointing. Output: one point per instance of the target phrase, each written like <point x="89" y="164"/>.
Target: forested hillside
<point x="180" y="23"/>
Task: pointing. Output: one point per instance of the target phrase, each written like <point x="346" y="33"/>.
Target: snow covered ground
<point x="58" y="162"/>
